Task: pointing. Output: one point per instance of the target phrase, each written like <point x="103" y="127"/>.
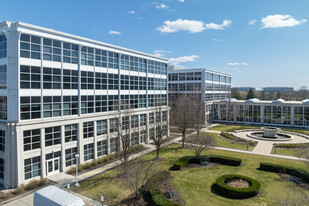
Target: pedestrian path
<point x="263" y="147"/>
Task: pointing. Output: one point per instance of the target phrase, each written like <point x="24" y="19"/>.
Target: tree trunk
<point x="158" y="153"/>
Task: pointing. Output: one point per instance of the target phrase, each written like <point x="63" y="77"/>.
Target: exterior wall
<point x="15" y="126"/>
<point x="288" y="114"/>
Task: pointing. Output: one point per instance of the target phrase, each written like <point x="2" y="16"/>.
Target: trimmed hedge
<point x="157" y="198"/>
<point x="296" y="145"/>
<point x="221" y="187"/>
<point x="269" y="167"/>
<point x="239" y="140"/>
<point x="182" y="162"/>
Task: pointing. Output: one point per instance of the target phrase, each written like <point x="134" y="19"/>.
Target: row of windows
<point x="3" y="108"/>
<point x="2" y="163"/>
<point x="3" y="46"/>
<point x="31" y="108"/>
<point x="3" y="77"/>
<point x="185" y="76"/>
<point x="30" y="47"/>
<point x="2" y="140"/>
<point x="184" y="87"/>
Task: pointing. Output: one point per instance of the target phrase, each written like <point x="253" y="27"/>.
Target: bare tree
<point x="135" y="174"/>
<point x="181" y="116"/>
<point x="197" y="113"/>
<point x="230" y="109"/>
<point x="160" y="125"/>
<point x="201" y="143"/>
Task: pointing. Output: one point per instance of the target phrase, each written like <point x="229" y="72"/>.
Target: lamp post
<point x="76" y="184"/>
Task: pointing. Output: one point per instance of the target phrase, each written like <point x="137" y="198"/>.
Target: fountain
<point x="270" y="133"/>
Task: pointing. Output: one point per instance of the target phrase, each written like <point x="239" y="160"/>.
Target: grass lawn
<point x="305" y="132"/>
<point x="222" y="142"/>
<point x="193" y="184"/>
<point x="286" y="151"/>
<point x="229" y="128"/>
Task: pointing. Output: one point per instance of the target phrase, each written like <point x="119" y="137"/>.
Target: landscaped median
<point x="290" y="149"/>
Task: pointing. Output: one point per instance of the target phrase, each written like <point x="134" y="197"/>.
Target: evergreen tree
<point x="251" y="94"/>
<point x="264" y="96"/>
<point x="236" y="94"/>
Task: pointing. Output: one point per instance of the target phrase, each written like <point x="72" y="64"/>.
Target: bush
<point x="5" y="195"/>
<point x="42" y="182"/>
<point x="86" y="166"/>
<point x="19" y="190"/>
<point x="297" y="145"/>
<point x="269" y="167"/>
<point x="33" y="184"/>
<point x="157" y="198"/>
<point x="158" y="177"/>
<point x="180" y="163"/>
<point x="94" y="162"/>
<point x="231" y="161"/>
<point x="221" y="187"/>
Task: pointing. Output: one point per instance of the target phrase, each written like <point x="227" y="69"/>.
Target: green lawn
<point x="305" y="132"/>
<point x="286" y="151"/>
<point x="222" y="142"/>
<point x="229" y="128"/>
<point x="194" y="184"/>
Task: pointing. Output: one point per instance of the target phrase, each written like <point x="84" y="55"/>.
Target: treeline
<point x="288" y="95"/>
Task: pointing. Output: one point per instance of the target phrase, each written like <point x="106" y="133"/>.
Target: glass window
<point x="70" y="53"/>
<point x="32" y="167"/>
<point x="88" y="129"/>
<point x="100" y="80"/>
<point x="51" y="106"/>
<point x="3" y="77"/>
<point x="2" y="140"/>
<point x="88" y="152"/>
<point x="52" y="136"/>
<point x="87" y="56"/>
<point x="70" y="105"/>
<point x="87" y="104"/>
<point x="3" y="46"/>
<point x="3" y="108"/>
<point x="100" y="103"/>
<point x="113" y="145"/>
<point x="2" y="164"/>
<point x="113" y="60"/>
<point x="30" y="77"/>
<point x="70" y="79"/>
<point x="70" y="156"/>
<point x="101" y="127"/>
<point x="32" y="139"/>
<point x="30" y="46"/>
<point x="102" y="148"/>
<point x="51" y="78"/>
<point x="100" y="58"/>
<point x="30" y="107"/>
<point x="113" y="125"/>
<point x="70" y="132"/>
<point x="87" y="80"/>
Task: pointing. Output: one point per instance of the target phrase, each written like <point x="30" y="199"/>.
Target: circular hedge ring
<point x="222" y="188"/>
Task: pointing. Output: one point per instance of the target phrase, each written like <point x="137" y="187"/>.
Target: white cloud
<point x="114" y="32"/>
<point x="225" y="23"/>
<point x="131" y="12"/>
<point x="252" y="22"/>
<point x="217" y="39"/>
<point x="161" y="6"/>
<point x="237" y="64"/>
<point x="182" y="59"/>
<point x="160" y="53"/>
<point x="181" y="1"/>
<point x="278" y="21"/>
<point x="191" y="26"/>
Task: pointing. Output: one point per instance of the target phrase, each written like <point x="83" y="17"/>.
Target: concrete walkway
<point x="263" y="147"/>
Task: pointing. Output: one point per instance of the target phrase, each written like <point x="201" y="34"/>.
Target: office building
<point x="62" y="95"/>
<point x="277" y="89"/>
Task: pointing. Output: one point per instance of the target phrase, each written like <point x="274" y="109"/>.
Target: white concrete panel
<point x="51" y="92"/>
<point x="30" y="92"/>
<point x="67" y="92"/>
<point x="51" y="64"/>
<point x="70" y="66"/>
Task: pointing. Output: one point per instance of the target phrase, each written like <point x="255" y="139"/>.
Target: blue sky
<point x="259" y="42"/>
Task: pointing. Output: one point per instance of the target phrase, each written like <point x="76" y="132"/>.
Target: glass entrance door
<point x="248" y="119"/>
<point x="53" y="166"/>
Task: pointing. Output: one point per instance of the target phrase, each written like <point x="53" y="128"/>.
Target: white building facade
<point x="209" y="84"/>
<point x="61" y="95"/>
<point x="253" y="111"/>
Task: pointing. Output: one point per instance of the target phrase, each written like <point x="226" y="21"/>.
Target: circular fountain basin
<point x="271" y="132"/>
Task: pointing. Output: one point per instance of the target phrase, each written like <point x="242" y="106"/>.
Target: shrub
<point x="221" y="187"/>
<point x="180" y="163"/>
<point x="231" y="161"/>
<point x="297" y="145"/>
<point x="19" y="190"/>
<point x="157" y="198"/>
<point x="42" y="182"/>
<point x="5" y="195"/>
<point x="94" y="162"/>
<point x="239" y="140"/>
<point x="86" y="166"/>
<point x="33" y="184"/>
<point x="269" y="167"/>
<point x="158" y="178"/>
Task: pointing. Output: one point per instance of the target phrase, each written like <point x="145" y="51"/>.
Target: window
<point x="87" y="104"/>
<point x="151" y="133"/>
<point x="158" y="116"/>
<point x="100" y="58"/>
<point x="151" y="100"/>
<point x="112" y="102"/>
<point x="133" y="63"/>
<point x="113" y="145"/>
<point x="134" y="121"/>
<point x="142" y="65"/>
<point x="157" y="67"/>
<point x="53" y="155"/>
<point x="125" y="123"/>
<point x="113" y="81"/>
<point x="51" y="50"/>
<point x="51" y="106"/>
<point x="70" y="105"/>
<point x="3" y="76"/>
<point x="70" y="53"/>
<point x="3" y="46"/>
<point x="87" y="56"/>
<point x="113" y="125"/>
<point x="30" y="108"/>
<point x="143" y="119"/>
<point x="124" y="62"/>
<point x="2" y="140"/>
<point x="52" y="136"/>
<point x="143" y="136"/>
<point x="70" y="132"/>
<point x="125" y="102"/>
<point x="151" y="118"/>
<point x="51" y="78"/>
<point x="142" y="83"/>
<point x="134" y="101"/>
<point x="30" y="77"/>
<point x="70" y="156"/>
<point x="30" y="46"/>
<point x="3" y="108"/>
<point x="134" y="138"/>
<point x="142" y="101"/>
<point x="88" y="152"/>
<point x="32" y="167"/>
<point x="102" y="148"/>
<point x="101" y="127"/>
<point x="133" y="83"/>
<point x="164" y="116"/>
<point x="2" y="163"/>
<point x="100" y="80"/>
<point x="113" y="60"/>
<point x="125" y="82"/>
<point x="100" y="103"/>
<point x="87" y="80"/>
<point x="88" y="128"/>
<point x="70" y="79"/>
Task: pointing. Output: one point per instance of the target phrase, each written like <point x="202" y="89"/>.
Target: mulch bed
<point x="294" y="180"/>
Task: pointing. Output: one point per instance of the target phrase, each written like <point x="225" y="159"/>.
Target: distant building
<point x="277" y="89"/>
<point x="244" y="89"/>
<point x="210" y="85"/>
